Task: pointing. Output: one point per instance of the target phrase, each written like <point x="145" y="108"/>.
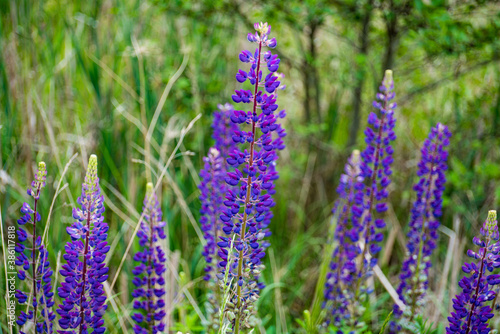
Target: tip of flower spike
<point x="39" y="182"/>
<point x="355" y="159"/>
<point x="91" y="177"/>
<point x="149" y="193"/>
<point x="490" y="225"/>
<point x="492" y="217"/>
<point x="41" y="173"/>
<point x="388" y="80"/>
<point x="213" y="152"/>
<point x="225" y="107"/>
<point x="262" y="28"/>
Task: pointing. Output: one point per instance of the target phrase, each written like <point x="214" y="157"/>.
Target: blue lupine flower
<point x="343" y="265"/>
<point x="249" y="199"/>
<point x="148" y="275"/>
<point x="471" y="313"/>
<point x="424" y="223"/>
<point x="212" y="189"/>
<point x="362" y="203"/>
<point x="35" y="266"/>
<point x="213" y="186"/>
<point x="82" y="291"/>
<point x="376" y="169"/>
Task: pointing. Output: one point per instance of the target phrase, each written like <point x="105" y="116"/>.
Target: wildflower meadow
<point x="249" y="167"/>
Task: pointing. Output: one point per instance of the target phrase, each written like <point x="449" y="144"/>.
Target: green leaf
<point x="386" y="321"/>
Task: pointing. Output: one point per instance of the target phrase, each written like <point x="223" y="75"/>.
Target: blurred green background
<point x="107" y="77"/>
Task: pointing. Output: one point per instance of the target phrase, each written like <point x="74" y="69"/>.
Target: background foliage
<point x="82" y="77"/>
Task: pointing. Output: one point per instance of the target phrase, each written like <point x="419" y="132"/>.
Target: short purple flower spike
<point x="471" y="312"/>
<point x="34" y="267"/>
<point x="148" y="275"/>
<point x="82" y="291"/>
<point x="213" y="186"/>
<point x="424" y="224"/>
<point x="343" y="264"/>
<point x="249" y="199"/>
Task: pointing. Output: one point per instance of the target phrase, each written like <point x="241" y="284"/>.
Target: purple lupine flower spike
<point x="223" y="129"/>
<point x="211" y="198"/>
<point x="213" y="186"/>
<point x="360" y="220"/>
<point x="149" y="281"/>
<point x="249" y="197"/>
<point x="343" y="263"/>
<point x="35" y="266"/>
<point x="471" y="313"/>
<point x="424" y="223"/>
<point x="376" y="168"/>
<point x="82" y="291"/>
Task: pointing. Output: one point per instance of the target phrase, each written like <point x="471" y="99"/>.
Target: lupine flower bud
<point x="148" y="275"/>
<point x="424" y="224"/>
<point x="471" y="313"/>
<point x="35" y="267"/>
<point x="248" y="200"/>
<point x="82" y="291"/>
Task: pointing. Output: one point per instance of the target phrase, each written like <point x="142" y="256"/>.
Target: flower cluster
<point x="343" y="262"/>
<point x="82" y="291"/>
<point x="363" y="194"/>
<point x="149" y="280"/>
<point x="211" y="196"/>
<point x="376" y="168"/>
<point x="35" y="266"/>
<point x="213" y="186"/>
<point x="424" y="223"/>
<point x="471" y="314"/>
<point x="249" y="199"/>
